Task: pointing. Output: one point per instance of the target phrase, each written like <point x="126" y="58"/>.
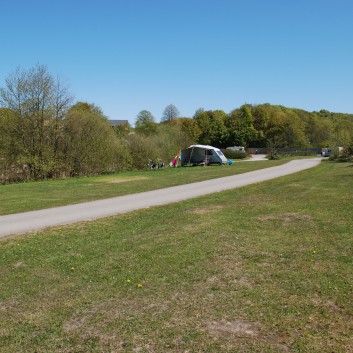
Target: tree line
<point x="259" y="126"/>
<point x="44" y="134"/>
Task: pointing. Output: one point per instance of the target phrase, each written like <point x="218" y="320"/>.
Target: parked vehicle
<point x="327" y="152"/>
<point x="236" y="148"/>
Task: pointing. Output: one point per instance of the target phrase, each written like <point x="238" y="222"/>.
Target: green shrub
<point x="341" y="158"/>
<point x="142" y="148"/>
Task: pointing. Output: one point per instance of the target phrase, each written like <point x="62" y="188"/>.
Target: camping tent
<point x="202" y="155"/>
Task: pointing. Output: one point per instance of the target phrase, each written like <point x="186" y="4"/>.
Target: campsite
<point x="176" y="176"/>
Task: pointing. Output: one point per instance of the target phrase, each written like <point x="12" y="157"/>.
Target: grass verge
<point x="29" y="196"/>
<point x="265" y="268"/>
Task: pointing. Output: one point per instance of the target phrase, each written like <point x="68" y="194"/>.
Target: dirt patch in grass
<point x="286" y="218"/>
<point x="9" y="305"/>
<point x="333" y="306"/>
<point x="244" y="282"/>
<point x="84" y="327"/>
<point x="238" y="328"/>
<point x="101" y="322"/>
<point x="18" y="264"/>
<point x="246" y="331"/>
<point x="114" y="310"/>
<point x="75" y="323"/>
<point x="227" y="280"/>
<point x="328" y="304"/>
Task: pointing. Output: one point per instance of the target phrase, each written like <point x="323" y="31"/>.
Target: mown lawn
<point x="29" y="196"/>
<point x="265" y="268"/>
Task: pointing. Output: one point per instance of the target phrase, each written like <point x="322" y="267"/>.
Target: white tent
<point x="202" y="155"/>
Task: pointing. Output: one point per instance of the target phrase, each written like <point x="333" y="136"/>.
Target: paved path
<point x="35" y="220"/>
<point x="256" y="157"/>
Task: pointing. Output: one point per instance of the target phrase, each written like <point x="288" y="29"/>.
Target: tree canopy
<point x="170" y="112"/>
<point x="145" y="122"/>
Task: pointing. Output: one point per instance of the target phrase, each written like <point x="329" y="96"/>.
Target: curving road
<point x="35" y="220"/>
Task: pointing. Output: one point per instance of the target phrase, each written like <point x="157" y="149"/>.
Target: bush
<point x="142" y="148"/>
<point x="91" y="146"/>
<point x="170" y="139"/>
<point x="341" y="158"/>
<point x="162" y="145"/>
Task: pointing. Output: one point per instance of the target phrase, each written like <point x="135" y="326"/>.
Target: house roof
<point x="118" y="122"/>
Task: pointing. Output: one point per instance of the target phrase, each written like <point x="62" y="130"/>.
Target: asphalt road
<point x="35" y="220"/>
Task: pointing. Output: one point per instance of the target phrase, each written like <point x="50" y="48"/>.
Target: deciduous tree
<point x="40" y="102"/>
<point x="91" y="144"/>
<point x="170" y="112"/>
<point x="145" y="122"/>
<point x="242" y="132"/>
<point x="212" y="126"/>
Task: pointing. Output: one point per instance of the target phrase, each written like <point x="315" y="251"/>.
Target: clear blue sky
<point x="130" y="55"/>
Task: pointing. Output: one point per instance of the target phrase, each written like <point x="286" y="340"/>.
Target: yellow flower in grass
<point x="128" y="281"/>
<point x="139" y="285"/>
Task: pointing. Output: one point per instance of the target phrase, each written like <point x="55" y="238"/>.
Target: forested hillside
<point x="259" y="125"/>
<point x="44" y="134"/>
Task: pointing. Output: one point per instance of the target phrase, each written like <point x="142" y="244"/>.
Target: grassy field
<point x="29" y="196"/>
<point x="265" y="268"/>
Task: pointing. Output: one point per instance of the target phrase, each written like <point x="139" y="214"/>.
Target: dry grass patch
<point x="117" y="324"/>
<point x="286" y="218"/>
<point x="115" y="180"/>
<point x="238" y="332"/>
<point x="8" y="305"/>
<point x="238" y="328"/>
<point x="205" y="209"/>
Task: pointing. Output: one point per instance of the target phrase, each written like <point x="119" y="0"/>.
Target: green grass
<point x="29" y="196"/>
<point x="265" y="268"/>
